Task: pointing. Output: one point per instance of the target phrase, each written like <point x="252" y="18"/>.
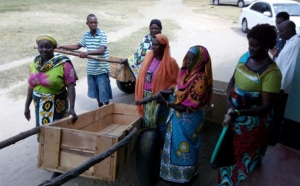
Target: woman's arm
<point x="268" y="100"/>
<point x="27" y="103"/>
<point x="180" y="108"/>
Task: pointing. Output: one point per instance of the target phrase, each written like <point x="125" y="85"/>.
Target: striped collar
<point x="97" y="32"/>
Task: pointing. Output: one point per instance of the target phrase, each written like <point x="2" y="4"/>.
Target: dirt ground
<point x="223" y="39"/>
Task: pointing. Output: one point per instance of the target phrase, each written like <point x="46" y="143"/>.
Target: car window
<point x="256" y="7"/>
<point x="265" y="7"/>
<point x="291" y="8"/>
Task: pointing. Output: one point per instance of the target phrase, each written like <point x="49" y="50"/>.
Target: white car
<point x="239" y="3"/>
<point x="265" y="11"/>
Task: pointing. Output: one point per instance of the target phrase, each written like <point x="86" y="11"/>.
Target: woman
<point x="251" y="93"/>
<point x="137" y="58"/>
<point x="193" y="91"/>
<point x="51" y="84"/>
<point x="158" y="72"/>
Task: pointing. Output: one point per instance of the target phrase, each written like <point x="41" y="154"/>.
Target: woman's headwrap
<point x="157" y="22"/>
<point x="166" y="75"/>
<point x="194" y="87"/>
<point x="48" y="38"/>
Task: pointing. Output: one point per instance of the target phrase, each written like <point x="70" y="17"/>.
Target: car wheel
<point x="127" y="87"/>
<point x="216" y="2"/>
<point x="245" y="26"/>
<point x="241" y="3"/>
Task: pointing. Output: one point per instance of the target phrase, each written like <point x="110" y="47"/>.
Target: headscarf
<point x="48" y="38"/>
<point x="166" y="75"/>
<point x="194" y="87"/>
<point x="157" y="22"/>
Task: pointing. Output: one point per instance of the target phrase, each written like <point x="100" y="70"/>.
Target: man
<point x="280" y="17"/>
<point x="97" y="72"/>
<point x="286" y="62"/>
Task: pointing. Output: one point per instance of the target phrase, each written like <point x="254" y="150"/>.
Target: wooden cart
<point x="124" y="78"/>
<point x="64" y="146"/>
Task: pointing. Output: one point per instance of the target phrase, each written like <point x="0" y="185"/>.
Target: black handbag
<point x="223" y="154"/>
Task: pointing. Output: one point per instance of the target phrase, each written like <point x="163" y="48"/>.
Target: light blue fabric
<point x="293" y="102"/>
<point x="182" y="145"/>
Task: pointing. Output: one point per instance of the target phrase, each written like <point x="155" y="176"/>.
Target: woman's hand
<point x="74" y="116"/>
<point x="229" y="117"/>
<point x="27" y="114"/>
<point x="229" y="105"/>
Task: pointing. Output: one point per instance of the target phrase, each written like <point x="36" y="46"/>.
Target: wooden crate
<point x="64" y="146"/>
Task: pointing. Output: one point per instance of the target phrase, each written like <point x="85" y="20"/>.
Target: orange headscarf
<point x="165" y="77"/>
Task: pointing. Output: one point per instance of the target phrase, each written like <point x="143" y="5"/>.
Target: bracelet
<point x="238" y="112"/>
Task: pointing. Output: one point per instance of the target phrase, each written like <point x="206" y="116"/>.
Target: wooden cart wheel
<point x="127" y="87"/>
<point x="148" y="159"/>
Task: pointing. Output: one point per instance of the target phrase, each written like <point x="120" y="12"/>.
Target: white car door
<point x="257" y="14"/>
<point x="267" y="14"/>
<point x="226" y="2"/>
<point x="254" y="14"/>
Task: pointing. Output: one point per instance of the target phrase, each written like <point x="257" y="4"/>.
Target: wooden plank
<point x="102" y="169"/>
<point x="41" y="146"/>
<point x="108" y="129"/>
<point x="78" y="139"/>
<point x="130" y="110"/>
<point x="71" y="159"/>
<point x="85" y="119"/>
<point x="118" y="131"/>
<point x="104" y="111"/>
<point x="98" y="125"/>
<point x="124" y="119"/>
<point x="114" y="164"/>
<point x="51" y="146"/>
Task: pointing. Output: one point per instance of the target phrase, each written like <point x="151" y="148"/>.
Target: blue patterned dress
<point x="182" y="145"/>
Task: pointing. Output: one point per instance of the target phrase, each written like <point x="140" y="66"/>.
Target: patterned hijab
<point x="194" y="87"/>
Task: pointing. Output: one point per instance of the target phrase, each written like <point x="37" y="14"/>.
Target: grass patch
<point x="223" y="11"/>
<point x="63" y="19"/>
<point x="123" y="48"/>
<point x="13" y="8"/>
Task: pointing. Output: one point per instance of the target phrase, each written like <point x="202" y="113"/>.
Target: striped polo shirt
<point x="93" y="43"/>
